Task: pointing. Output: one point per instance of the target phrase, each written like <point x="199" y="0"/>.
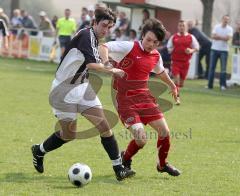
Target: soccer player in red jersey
<point x="181" y="45"/>
<point x="136" y="106"/>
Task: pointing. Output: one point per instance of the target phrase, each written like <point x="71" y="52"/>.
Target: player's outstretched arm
<point x="106" y="68"/>
<point x="166" y="79"/>
<point x="103" y="52"/>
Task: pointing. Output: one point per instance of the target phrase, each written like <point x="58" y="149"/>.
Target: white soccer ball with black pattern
<point x="79" y="174"/>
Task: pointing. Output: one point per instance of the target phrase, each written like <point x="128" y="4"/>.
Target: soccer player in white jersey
<point x="72" y="77"/>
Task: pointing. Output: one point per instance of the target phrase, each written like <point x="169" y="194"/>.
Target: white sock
<point x="117" y="161"/>
<point x="42" y="149"/>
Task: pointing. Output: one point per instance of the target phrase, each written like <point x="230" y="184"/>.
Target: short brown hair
<point x="156" y="27"/>
<point x="104" y="14"/>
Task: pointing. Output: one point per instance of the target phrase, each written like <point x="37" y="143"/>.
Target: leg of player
<point x="181" y="82"/>
<point x="54" y="141"/>
<point x="163" y="146"/>
<point x="177" y="82"/>
<point x="97" y="118"/>
<point x="139" y="141"/>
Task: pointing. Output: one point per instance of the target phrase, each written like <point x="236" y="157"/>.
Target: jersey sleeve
<point x="119" y="49"/>
<point x="159" y="68"/>
<point x="87" y="45"/>
<point x="170" y="44"/>
<point x="195" y="43"/>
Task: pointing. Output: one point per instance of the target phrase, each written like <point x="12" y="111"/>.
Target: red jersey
<point x="135" y="103"/>
<point x="180" y="44"/>
<point x="137" y="65"/>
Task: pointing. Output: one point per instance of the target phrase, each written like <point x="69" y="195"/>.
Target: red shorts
<point x="140" y="109"/>
<point x="180" y="68"/>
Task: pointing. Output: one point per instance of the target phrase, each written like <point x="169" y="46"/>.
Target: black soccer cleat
<point x="37" y="159"/>
<point x="122" y="173"/>
<point x="171" y="170"/>
<point x="126" y="163"/>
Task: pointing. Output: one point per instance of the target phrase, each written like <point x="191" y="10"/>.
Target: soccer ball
<point x="79" y="174"/>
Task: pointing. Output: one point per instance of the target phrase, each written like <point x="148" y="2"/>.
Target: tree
<point x="15" y="4"/>
<point x="207" y="16"/>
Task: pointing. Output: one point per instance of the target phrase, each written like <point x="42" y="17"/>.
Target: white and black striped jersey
<point x="82" y="50"/>
<point x="3" y="28"/>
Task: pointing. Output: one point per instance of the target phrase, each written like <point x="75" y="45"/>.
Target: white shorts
<point x="75" y="99"/>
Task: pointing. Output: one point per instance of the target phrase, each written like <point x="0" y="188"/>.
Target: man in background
<point x="45" y="25"/>
<point x="66" y="27"/>
<point x="221" y="34"/>
<point x="205" y="48"/>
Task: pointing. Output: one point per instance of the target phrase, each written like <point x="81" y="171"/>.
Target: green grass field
<point x="205" y="141"/>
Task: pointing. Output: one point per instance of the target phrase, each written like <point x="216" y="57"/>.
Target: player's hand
<point x="188" y="51"/>
<point x="118" y="72"/>
<point x="174" y="92"/>
<point x="108" y="65"/>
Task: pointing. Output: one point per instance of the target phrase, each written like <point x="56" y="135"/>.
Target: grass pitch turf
<point x="205" y="141"/>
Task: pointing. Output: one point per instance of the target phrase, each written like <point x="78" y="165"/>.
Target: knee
<point x="164" y="133"/>
<point x="103" y="127"/>
<point x="139" y="134"/>
<point x="141" y="139"/>
<point x="68" y="135"/>
<point x="141" y="142"/>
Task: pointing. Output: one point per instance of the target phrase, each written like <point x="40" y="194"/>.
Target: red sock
<point x="163" y="145"/>
<point x="131" y="150"/>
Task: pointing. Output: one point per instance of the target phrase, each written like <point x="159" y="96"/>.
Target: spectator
<point x="16" y="21"/>
<point x="91" y="13"/>
<point x="85" y="13"/>
<point x="100" y="5"/>
<point x="221" y="34"/>
<point x="123" y="23"/>
<point x="236" y="37"/>
<point x="84" y="21"/>
<point x="54" y="21"/>
<point x="4" y="32"/>
<point x="112" y="35"/>
<point x="120" y="35"/>
<point x="132" y="35"/>
<point x="45" y="25"/>
<point x="4" y="17"/>
<point x="146" y="16"/>
<point x="205" y="48"/>
<point x="66" y="27"/>
<point x="28" y="22"/>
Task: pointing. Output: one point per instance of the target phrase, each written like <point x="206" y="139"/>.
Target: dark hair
<point x="154" y="26"/>
<point x="147" y="12"/>
<point x="84" y="9"/>
<point x="104" y="14"/>
<point x="133" y="31"/>
<point x="117" y="30"/>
